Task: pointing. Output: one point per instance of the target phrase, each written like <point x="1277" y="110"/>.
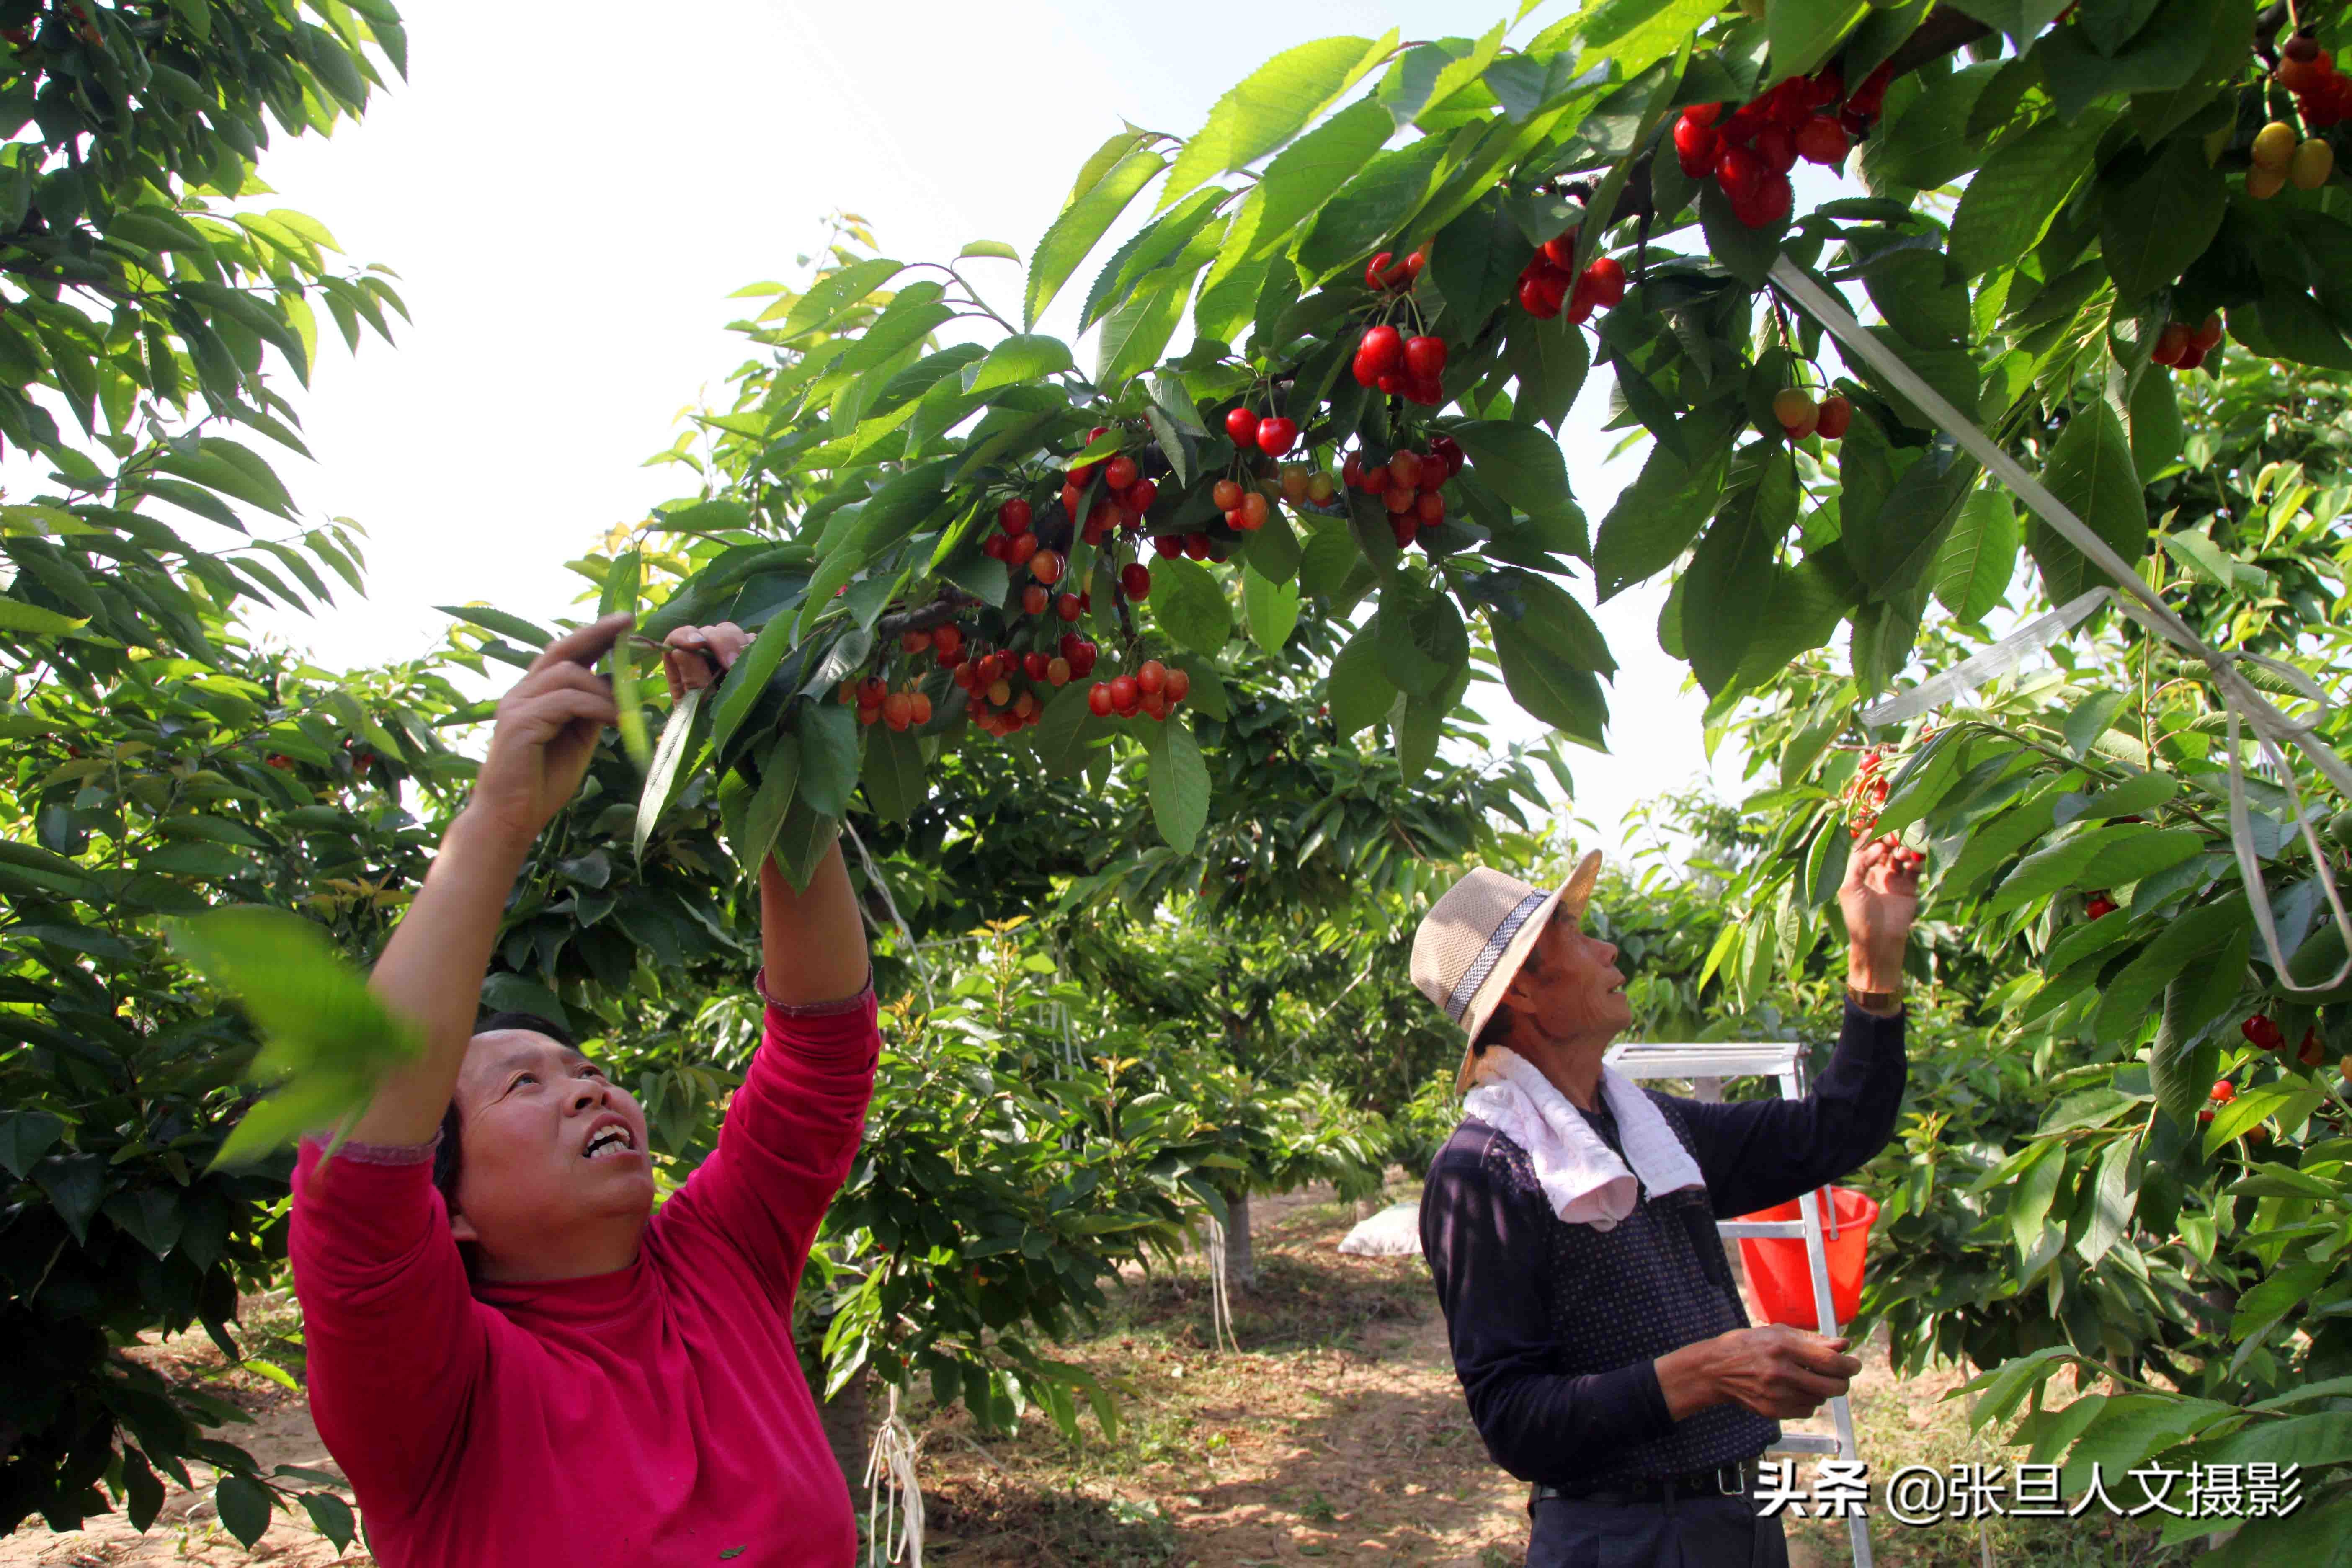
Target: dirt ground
<point x="1337" y="1433"/>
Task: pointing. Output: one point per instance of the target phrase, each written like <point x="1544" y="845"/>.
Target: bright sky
<point x="569" y="197"/>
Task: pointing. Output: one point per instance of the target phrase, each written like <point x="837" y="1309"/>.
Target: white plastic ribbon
<point x="894" y="1496"/>
<point x="2273" y="730"/>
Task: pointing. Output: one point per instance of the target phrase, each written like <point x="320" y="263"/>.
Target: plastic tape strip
<point x="2273" y="730"/>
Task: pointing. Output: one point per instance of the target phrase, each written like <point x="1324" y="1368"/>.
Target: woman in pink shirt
<point x="525" y="1362"/>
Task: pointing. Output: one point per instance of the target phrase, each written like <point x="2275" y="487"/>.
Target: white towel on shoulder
<point x="1583" y="1178"/>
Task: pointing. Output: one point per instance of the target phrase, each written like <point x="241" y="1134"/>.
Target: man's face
<point x="549" y="1144"/>
<point x="1569" y="988"/>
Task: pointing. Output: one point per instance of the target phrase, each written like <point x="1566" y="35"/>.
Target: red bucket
<point x="1783" y="1279"/>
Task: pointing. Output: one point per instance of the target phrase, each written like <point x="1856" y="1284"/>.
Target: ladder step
<point x="1760" y="1226"/>
<point x="1806" y="1443"/>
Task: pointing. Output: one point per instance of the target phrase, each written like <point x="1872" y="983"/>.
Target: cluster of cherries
<point x="1396" y="279"/>
<point x="1127" y="496"/>
<point x="2323" y="95"/>
<point x="1802" y="416"/>
<point x="1151" y="691"/>
<point x="1548" y="284"/>
<point x="1751" y="150"/>
<point x="1272" y="433"/>
<point x="2279" y="159"/>
<point x="2183" y="347"/>
<point x="1865" y="792"/>
<point x="1408" y="485"/>
<point x="877" y="703"/>
<point x="1387" y="359"/>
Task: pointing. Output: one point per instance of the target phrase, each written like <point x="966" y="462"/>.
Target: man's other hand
<point x="1781" y="1372"/>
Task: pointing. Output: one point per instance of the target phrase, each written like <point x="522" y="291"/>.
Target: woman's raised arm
<point x="431" y="971"/>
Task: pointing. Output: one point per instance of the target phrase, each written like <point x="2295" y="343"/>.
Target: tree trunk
<point x="844" y="1419"/>
<point x="1367" y="1207"/>
<point x="1241" y="1266"/>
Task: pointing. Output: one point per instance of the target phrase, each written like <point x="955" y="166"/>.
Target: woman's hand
<point x="693" y="657"/>
<point x="546" y="732"/>
<point x="1880" y="899"/>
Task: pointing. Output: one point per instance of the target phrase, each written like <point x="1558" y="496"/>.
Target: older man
<point x="1594" y="1323"/>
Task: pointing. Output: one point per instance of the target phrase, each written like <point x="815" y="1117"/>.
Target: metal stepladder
<point x="1705" y="1066"/>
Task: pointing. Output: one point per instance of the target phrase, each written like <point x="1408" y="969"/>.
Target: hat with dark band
<point x="1473" y="941"/>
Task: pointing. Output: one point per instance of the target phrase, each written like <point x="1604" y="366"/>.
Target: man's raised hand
<point x="693" y="657"/>
<point x="1880" y="899"/>
<point x="546" y="732"/>
<point x="1781" y="1372"/>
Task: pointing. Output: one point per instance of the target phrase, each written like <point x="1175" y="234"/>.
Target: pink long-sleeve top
<point x="657" y="1414"/>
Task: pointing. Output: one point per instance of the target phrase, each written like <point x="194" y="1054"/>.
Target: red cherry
<point x="1169" y="545"/>
<point x="1179" y="687"/>
<point x="2172" y="344"/>
<point x="1538" y="299"/>
<point x="1741" y="173"/>
<point x="1125" y="695"/>
<point x="1099" y="700"/>
<point x="1430" y="510"/>
<point x="1604" y="280"/>
<point x="1777" y="148"/>
<point x="1196" y="548"/>
<point x="1082" y="662"/>
<point x="1135" y="579"/>
<point x="1140" y="495"/>
<point x="1823" y="141"/>
<point x="1033" y="665"/>
<point x="2207" y="335"/>
<point x="1702" y="113"/>
<point x="2099" y="906"/>
<point x="1033" y="599"/>
<point x="1425" y="357"/>
<point x="2262" y="1030"/>
<point x="1066" y="606"/>
<point x="1372" y="269"/>
<point x="994" y="547"/>
<point x="1276" y="435"/>
<point x="1383" y="347"/>
<point x="1150" y="676"/>
<point x="2192" y="359"/>
<point x="1695" y="141"/>
<point x="2224" y="1091"/>
<point x="1363" y="370"/>
<point x="1046" y="567"/>
<point x="1560" y="250"/>
<point x="948" y="639"/>
<point x="1012" y="517"/>
<point x="1240" y="426"/>
<point x="1403" y="273"/>
<point x="1426" y="390"/>
<point x="1119" y="472"/>
<point x="1019" y="549"/>
<point x="871" y="692"/>
<point x="1403" y="529"/>
<point x="1768" y="206"/>
<point x="1837" y="416"/>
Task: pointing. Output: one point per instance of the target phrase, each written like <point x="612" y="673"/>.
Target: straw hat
<point x="1473" y="941"/>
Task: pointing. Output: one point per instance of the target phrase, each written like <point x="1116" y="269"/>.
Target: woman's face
<point x="552" y="1149"/>
<point x="1569" y="988"/>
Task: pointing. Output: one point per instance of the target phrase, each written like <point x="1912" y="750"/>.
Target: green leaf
<point x="1656" y="516"/>
<point x="747" y="678"/>
<point x="995" y="247"/>
<point x="763" y="815"/>
<point x="895" y="784"/>
<point x="2020" y="188"/>
<point x="834" y="294"/>
<point x="1328" y="557"/>
<point x="24" y="1137"/>
<point x="1081" y="224"/>
<point x="654" y="799"/>
<point x="1637" y="33"/>
<point x="828" y="735"/>
<point x="1370" y="208"/>
<point x="1475" y="261"/>
<point x="1804" y="31"/>
<point x="1180" y="784"/>
<point x="1067" y="733"/>
<point x="15" y="615"/>
<point x="314" y="1010"/>
<point x="2157" y="433"/>
<point x="2104" y="857"/>
<point x="1731" y="570"/>
<point x="621" y="585"/>
<point x="1518" y="462"/>
<point x="1979" y="556"/>
<point x="524" y="632"/>
<point x="1270" y="106"/>
<point x="1891" y="545"/>
<point x="1748" y="254"/>
<point x="1190" y="605"/>
<point x="1304" y="176"/>
<point x="1270" y="609"/>
<point x="1023" y="356"/>
<point x="2152" y="227"/>
<point x="2090" y="469"/>
<point x="2126" y="997"/>
<point x="331" y="1517"/>
<point x="244" y="1505"/>
<point x="1549" y="686"/>
<point x="1357" y="690"/>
